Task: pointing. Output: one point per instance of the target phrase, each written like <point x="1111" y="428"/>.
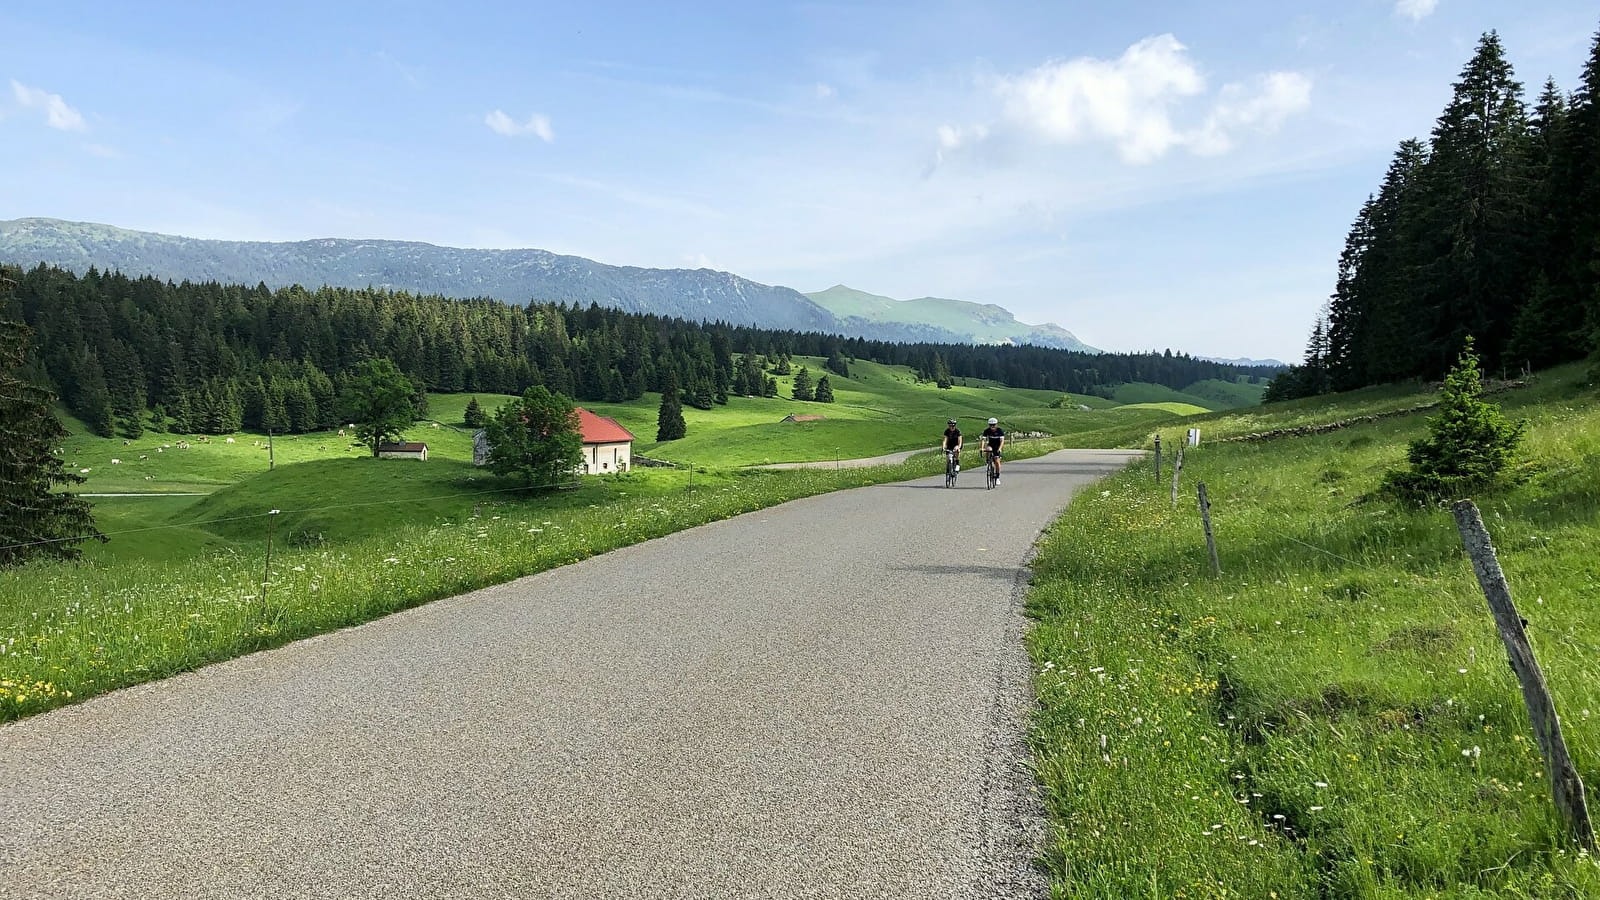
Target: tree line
<point x="1490" y="229"/>
<point x="129" y="353"/>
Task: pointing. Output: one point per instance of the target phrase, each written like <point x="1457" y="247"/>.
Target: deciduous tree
<point x="378" y="399"/>
<point x="535" y="436"/>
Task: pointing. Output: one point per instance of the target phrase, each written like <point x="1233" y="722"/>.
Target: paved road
<point x="819" y="700"/>
<point x="888" y="459"/>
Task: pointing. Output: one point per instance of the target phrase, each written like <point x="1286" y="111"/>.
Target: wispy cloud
<point x="1261" y="108"/>
<point x="825" y="91"/>
<point x="1415" y="10"/>
<point x="1135" y="104"/>
<point x="58" y="114"/>
<point x="537" y="125"/>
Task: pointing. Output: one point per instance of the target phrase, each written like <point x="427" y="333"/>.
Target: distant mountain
<point x="975" y="323"/>
<point x="1272" y="363"/>
<point x="515" y="276"/>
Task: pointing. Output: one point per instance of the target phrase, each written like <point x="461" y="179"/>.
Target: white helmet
<point x="994" y="421"/>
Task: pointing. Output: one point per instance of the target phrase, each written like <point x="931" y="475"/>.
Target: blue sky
<point x="1173" y="175"/>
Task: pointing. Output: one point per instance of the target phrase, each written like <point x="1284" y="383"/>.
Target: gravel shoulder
<point x="823" y="699"/>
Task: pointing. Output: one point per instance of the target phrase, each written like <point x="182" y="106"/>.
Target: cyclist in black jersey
<point x="951" y="442"/>
<point x="952" y="436"/>
<point x="994" y="442"/>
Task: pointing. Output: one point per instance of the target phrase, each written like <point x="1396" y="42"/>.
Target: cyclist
<point x="994" y="442"/>
<point x="952" y="441"/>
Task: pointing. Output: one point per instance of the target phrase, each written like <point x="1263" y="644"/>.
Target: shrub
<point x="1468" y="446"/>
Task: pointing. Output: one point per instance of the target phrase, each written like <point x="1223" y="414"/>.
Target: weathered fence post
<point x="1177" y="466"/>
<point x="266" y="571"/>
<point x="1566" y="787"/>
<point x="1158" y="459"/>
<point x="1211" y="543"/>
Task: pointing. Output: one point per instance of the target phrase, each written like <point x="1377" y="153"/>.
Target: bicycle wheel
<point x="993" y="473"/>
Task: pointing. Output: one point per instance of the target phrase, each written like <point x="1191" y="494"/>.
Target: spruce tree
<point x="1475" y="215"/>
<point x="474" y="417"/>
<point x="824" y="392"/>
<point x="669" y="417"/>
<point x="802" y="384"/>
<point x="1469" y="443"/>
<point x="37" y="517"/>
<point x="1580" y="160"/>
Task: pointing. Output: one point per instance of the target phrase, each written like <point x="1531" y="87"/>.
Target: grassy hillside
<point x="1333" y="716"/>
<point x="332" y="491"/>
<point x="1144" y="392"/>
<point x="1227" y="394"/>
<point x="878" y="409"/>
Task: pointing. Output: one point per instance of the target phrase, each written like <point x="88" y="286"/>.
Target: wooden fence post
<point x="1177" y="466"/>
<point x="1158" y="459"/>
<point x="1211" y="543"/>
<point x="266" y="570"/>
<point x="1566" y="787"/>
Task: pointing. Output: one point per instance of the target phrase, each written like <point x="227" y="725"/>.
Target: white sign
<point x="1194" y="437"/>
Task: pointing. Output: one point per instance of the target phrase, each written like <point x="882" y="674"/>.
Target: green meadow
<point x="185" y="576"/>
<point x="1333" y="716"/>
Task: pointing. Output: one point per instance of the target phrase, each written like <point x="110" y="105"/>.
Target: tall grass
<point x="1333" y="717"/>
<point x="69" y="632"/>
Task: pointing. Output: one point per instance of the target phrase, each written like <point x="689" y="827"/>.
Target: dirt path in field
<point x="825" y="699"/>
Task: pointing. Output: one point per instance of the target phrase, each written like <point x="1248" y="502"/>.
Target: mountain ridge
<point x="518" y="276"/>
<point x="986" y="323"/>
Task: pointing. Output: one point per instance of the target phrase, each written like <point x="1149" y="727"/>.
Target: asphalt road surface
<point x="824" y="699"/>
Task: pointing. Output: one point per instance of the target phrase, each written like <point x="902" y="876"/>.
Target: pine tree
<point x="837" y="365"/>
<point x="703" y="397"/>
<point x="769" y="388"/>
<point x="824" y="393"/>
<point x="474" y="416"/>
<point x="1474" y="214"/>
<point x="669" y="418"/>
<point x="802" y="385"/>
<point x="37" y="517"/>
<point x="1469" y="443"/>
<point x="1579" y="162"/>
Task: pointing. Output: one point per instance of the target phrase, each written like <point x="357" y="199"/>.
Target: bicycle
<point x="952" y="466"/>
<point x="991" y="465"/>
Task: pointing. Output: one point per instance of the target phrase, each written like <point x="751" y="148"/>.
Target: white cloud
<point x="58" y="114"/>
<point x="1125" y="101"/>
<point x="1135" y="103"/>
<point x="1276" y="97"/>
<point x="1415" y="10"/>
<point x="953" y="137"/>
<point x="825" y="91"/>
<point x="537" y="125"/>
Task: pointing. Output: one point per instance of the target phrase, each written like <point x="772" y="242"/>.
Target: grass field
<point x="180" y="583"/>
<point x="1333" y="717"/>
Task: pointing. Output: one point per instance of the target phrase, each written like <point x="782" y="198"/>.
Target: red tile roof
<point x="601" y="430"/>
<point x="402" y="448"/>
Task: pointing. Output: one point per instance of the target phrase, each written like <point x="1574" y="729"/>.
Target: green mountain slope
<point x="980" y="323"/>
